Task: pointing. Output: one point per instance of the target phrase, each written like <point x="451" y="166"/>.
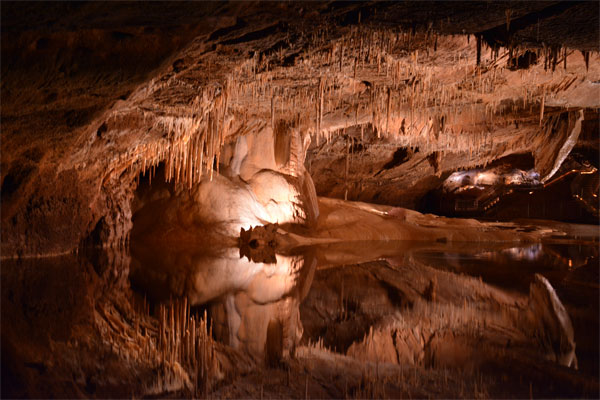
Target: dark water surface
<point x="242" y="296"/>
<point x="332" y="293"/>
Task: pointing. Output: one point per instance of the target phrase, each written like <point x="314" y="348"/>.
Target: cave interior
<point x="300" y="199"/>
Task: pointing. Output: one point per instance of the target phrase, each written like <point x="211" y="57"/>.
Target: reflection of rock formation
<point x="403" y="312"/>
<point x="74" y="330"/>
<point x="552" y="323"/>
<point x="246" y="299"/>
<point x="258" y="244"/>
<point x="263" y="315"/>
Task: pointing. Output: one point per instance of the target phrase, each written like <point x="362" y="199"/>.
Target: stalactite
<point x="273" y="113"/>
<point x="478" y="49"/>
<point x="542" y="106"/>
<point x="586" y="58"/>
<point x="389" y="104"/>
<point x="346" y="168"/>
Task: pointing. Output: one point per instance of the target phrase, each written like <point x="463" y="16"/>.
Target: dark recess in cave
<point x="400" y="156"/>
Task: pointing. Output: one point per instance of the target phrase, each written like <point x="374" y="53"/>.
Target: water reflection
<point x="253" y="305"/>
<point x="419" y="303"/>
<point x="511" y="267"/>
<point x="529" y="253"/>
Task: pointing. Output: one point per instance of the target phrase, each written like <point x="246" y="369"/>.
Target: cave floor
<point x="352" y="319"/>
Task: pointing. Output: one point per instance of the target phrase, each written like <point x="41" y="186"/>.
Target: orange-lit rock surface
<point x="139" y="139"/>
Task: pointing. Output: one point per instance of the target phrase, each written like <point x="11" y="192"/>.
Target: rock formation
<point x="143" y="143"/>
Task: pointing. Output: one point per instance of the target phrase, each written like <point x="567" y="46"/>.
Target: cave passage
<point x="300" y="200"/>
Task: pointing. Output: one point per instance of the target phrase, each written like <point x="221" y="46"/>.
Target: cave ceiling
<point x="95" y="93"/>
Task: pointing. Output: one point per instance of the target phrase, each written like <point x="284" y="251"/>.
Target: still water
<point x="335" y="293"/>
<point x="436" y="304"/>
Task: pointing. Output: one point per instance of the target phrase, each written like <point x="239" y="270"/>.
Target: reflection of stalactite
<point x="179" y="348"/>
<point x="186" y="340"/>
<point x="274" y="343"/>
